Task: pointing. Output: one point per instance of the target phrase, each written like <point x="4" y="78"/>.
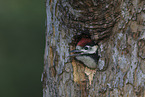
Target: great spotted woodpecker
<point x="87" y="52"/>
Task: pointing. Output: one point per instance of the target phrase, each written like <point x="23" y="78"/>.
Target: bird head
<point x="85" y="47"/>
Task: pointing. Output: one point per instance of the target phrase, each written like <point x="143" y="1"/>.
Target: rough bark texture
<point x="119" y="28"/>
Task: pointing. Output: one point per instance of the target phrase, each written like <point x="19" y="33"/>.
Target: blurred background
<point x="22" y="39"/>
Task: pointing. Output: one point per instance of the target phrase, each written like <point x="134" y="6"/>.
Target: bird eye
<point x="86" y="48"/>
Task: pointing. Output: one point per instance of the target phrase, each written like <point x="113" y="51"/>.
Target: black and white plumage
<point x="87" y="52"/>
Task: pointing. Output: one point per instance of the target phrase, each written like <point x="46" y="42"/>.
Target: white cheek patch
<point x="91" y="51"/>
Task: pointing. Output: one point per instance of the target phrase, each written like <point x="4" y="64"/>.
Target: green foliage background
<point x="22" y="39"/>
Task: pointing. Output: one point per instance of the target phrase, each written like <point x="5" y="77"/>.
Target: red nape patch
<point x="84" y="41"/>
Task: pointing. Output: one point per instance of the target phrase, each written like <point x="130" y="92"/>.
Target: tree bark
<point x="119" y="29"/>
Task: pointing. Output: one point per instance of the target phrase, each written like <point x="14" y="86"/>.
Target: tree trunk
<point x="120" y="28"/>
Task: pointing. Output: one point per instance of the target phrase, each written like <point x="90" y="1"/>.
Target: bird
<point x="86" y="52"/>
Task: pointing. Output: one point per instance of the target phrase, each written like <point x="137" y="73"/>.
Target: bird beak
<point x="75" y="51"/>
